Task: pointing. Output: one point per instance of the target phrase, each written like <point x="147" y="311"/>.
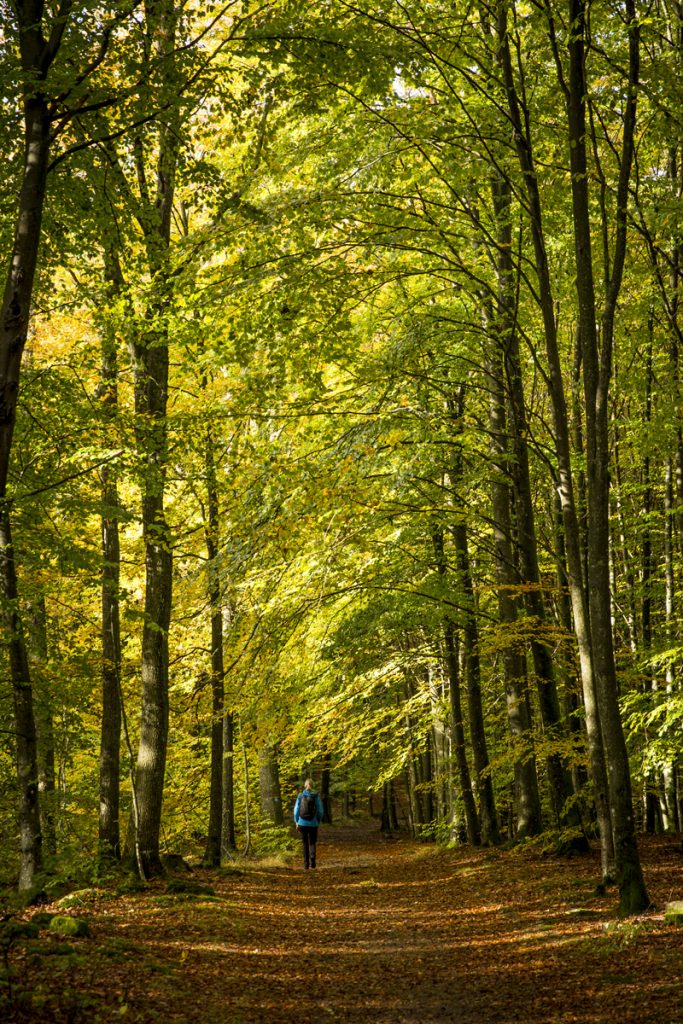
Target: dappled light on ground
<point x="381" y="932"/>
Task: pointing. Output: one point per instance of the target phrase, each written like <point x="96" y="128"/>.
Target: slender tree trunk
<point x="653" y="798"/>
<point x="488" y="817"/>
<point x="459" y="744"/>
<point x="512" y="462"/>
<point x="671" y="821"/>
<point x="246" y="850"/>
<point x="269" y="781"/>
<point x="37" y="55"/>
<point x="572" y="686"/>
<point x="565" y="486"/>
<point x="457" y="726"/>
<point x="38" y="652"/>
<point x="110" y="733"/>
<point x="417" y="812"/>
<point x="514" y="659"/>
<point x="597" y="371"/>
<point x="325" y="789"/>
<point x="620" y="550"/>
<point x="110" y="743"/>
<point x="385" y="817"/>
<point x="212" y="854"/>
<point x="151" y="365"/>
<point x="228" y="842"/>
<point x="31" y="856"/>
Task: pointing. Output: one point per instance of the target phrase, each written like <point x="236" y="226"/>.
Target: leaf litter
<point x="394" y="933"/>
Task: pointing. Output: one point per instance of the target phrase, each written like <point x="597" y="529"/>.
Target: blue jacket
<point x="319" y="811"/>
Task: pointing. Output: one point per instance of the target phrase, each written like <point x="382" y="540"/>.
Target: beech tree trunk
<point x="565" y="486"/>
<point x="527" y="798"/>
<point x="30" y="836"/>
<point x="36" y="623"/>
<point x="325" y="777"/>
<point x="488" y="817"/>
<point x="212" y="854"/>
<point x="110" y="732"/>
<point x="512" y="461"/>
<point x="37" y="55"/>
<point x="269" y="782"/>
<point x="149" y="349"/>
<point x="597" y="371"/>
<point x="228" y="841"/>
<point x="459" y="745"/>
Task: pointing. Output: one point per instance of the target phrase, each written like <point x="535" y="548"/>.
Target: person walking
<point x="308" y="814"/>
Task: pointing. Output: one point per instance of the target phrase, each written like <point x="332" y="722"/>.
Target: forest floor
<point x="382" y="931"/>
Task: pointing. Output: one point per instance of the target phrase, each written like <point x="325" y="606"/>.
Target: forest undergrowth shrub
<point x="552" y="842"/>
<point x="274" y="840"/>
<point x="441" y="832"/>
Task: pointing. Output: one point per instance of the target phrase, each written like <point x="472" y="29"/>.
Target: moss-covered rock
<point x="81" y="898"/>
<point x="673" y="912"/>
<point x="70" y="927"/>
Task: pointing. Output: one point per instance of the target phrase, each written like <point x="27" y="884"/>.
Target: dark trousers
<point x="309" y="838"/>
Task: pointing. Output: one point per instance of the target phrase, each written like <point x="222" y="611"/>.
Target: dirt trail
<point x="390" y="932"/>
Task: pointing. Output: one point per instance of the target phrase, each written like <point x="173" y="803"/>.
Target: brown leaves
<point x="400" y="933"/>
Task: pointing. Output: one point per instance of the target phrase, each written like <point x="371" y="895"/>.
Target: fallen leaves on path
<point x="396" y="933"/>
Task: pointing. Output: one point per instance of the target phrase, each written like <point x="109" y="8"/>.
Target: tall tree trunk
<point x="31" y="855"/>
<point x="528" y="800"/>
<point x="151" y="364"/>
<point x="246" y="850"/>
<point x="571" y="694"/>
<point x="110" y="732"/>
<point x="212" y="854"/>
<point x="228" y="842"/>
<point x="565" y="486"/>
<point x="38" y="651"/>
<point x="37" y="55"/>
<point x="671" y="821"/>
<point x="458" y="729"/>
<point x="269" y="782"/>
<point x="512" y="463"/>
<point x="488" y="818"/>
<point x="459" y="744"/>
<point x="325" y="789"/>
<point x="413" y="773"/>
<point x="597" y="371"/>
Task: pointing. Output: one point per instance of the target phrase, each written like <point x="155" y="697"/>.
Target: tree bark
<point x="110" y="732"/>
<point x="488" y="817"/>
<point x="212" y="854"/>
<point x="325" y="790"/>
<point x="149" y="345"/>
<point x="512" y="462"/>
<point x="269" y="782"/>
<point x="457" y="726"/>
<point x="31" y="852"/>
<point x="38" y="652"/>
<point x="597" y="371"/>
<point x="228" y="841"/>
<point x="37" y="55"/>
<point x="565" y="486"/>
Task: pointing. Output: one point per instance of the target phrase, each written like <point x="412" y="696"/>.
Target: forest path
<point x="393" y="932"/>
<point x="402" y="933"/>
